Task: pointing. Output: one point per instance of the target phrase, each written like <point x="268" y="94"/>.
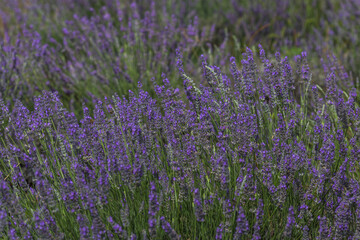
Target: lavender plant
<point x="263" y="153"/>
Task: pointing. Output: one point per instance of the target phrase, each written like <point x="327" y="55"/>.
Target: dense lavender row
<point x="262" y="154"/>
<point x="83" y="49"/>
<point x="270" y="152"/>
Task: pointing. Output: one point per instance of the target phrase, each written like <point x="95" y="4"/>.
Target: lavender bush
<point x="262" y="154"/>
<point x="91" y="49"/>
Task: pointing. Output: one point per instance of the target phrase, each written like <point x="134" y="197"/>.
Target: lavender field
<point x="140" y="119"/>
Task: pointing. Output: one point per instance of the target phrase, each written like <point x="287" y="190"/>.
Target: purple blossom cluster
<point x="260" y="153"/>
